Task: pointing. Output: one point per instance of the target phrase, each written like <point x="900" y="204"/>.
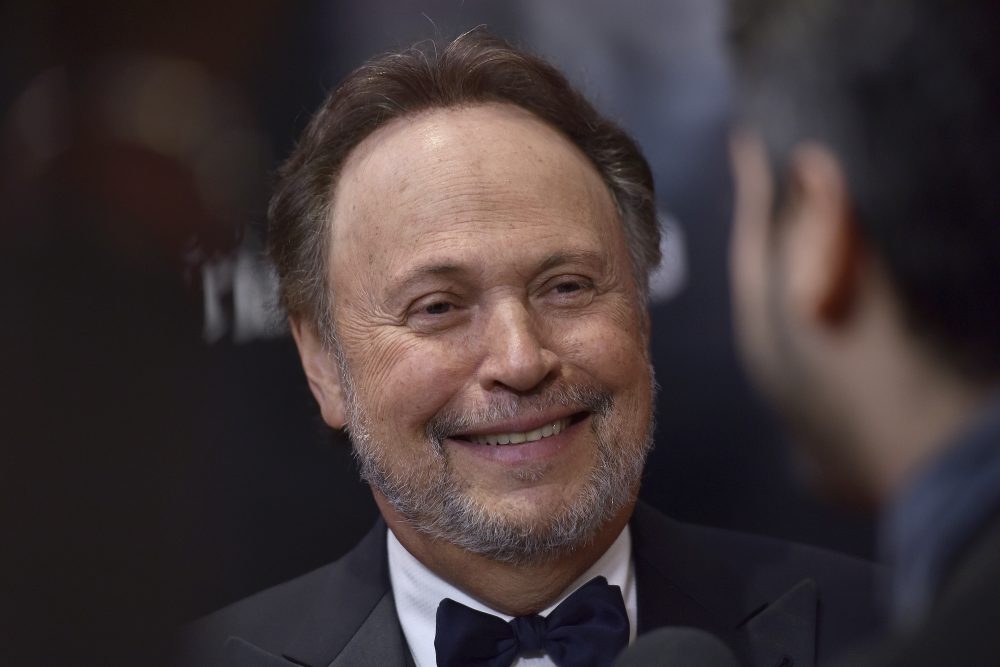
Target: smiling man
<point x="489" y="344"/>
<point x="464" y="247"/>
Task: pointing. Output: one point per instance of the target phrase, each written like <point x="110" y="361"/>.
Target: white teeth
<point x="554" y="428"/>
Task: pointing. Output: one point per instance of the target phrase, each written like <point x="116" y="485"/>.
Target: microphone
<point x="677" y="647"/>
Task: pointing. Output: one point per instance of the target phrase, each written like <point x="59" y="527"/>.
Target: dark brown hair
<point x="906" y="95"/>
<point x="475" y="68"/>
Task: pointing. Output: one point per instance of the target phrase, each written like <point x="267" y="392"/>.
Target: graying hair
<point x="475" y="68"/>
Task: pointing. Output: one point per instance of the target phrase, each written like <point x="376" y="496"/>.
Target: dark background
<point x="162" y="455"/>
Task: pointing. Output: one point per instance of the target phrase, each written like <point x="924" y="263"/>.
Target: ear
<point x="822" y="247"/>
<point x="321" y="371"/>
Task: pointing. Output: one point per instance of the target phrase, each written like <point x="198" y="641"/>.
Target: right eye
<point x="435" y="312"/>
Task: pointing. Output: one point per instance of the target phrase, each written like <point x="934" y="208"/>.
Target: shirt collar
<point x="927" y="524"/>
<point x="418" y="592"/>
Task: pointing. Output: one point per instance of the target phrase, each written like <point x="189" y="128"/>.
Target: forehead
<point x="456" y="181"/>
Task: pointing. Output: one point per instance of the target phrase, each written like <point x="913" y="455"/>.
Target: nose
<point x="516" y="357"/>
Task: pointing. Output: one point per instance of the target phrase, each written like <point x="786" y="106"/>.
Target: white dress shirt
<point x="418" y="592"/>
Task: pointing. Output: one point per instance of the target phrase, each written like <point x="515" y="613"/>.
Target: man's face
<point x="490" y="338"/>
<point x="780" y="333"/>
<point x="757" y="312"/>
<point x="764" y="324"/>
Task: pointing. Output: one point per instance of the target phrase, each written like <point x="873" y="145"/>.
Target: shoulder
<point x="272" y="619"/>
<point x="716" y="565"/>
<point x="268" y="619"/>
<point x="769" y="563"/>
<point x="961" y="629"/>
<point x="774" y="563"/>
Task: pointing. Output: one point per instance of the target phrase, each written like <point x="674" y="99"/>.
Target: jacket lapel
<point x="349" y="620"/>
<point x="355" y="605"/>
<point x="378" y="641"/>
<point x="240" y="653"/>
<point x="785" y="630"/>
<point x="681" y="582"/>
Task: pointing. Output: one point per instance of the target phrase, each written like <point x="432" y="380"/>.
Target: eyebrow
<point x="571" y="257"/>
<point x="431" y="270"/>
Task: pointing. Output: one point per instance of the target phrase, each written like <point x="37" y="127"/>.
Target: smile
<point x="545" y="431"/>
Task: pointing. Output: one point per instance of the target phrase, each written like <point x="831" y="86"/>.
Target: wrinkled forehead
<point x="490" y="164"/>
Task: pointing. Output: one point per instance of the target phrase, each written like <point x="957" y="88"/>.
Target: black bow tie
<point x="587" y="629"/>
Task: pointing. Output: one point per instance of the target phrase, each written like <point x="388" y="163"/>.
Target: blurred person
<point x="661" y="70"/>
<point x="464" y="247"/>
<point x="864" y="264"/>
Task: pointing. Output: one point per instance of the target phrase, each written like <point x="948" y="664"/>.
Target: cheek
<point x="744" y="241"/>
<point x="751" y="215"/>
<point x="747" y="269"/>
<point x="756" y="315"/>
<point x="408" y="382"/>
<point x="614" y="355"/>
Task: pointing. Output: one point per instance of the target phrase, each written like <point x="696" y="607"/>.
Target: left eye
<point x="568" y="287"/>
<point x="438" y="308"/>
<point x="570" y="291"/>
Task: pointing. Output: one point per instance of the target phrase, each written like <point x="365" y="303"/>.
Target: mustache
<point x="582" y="397"/>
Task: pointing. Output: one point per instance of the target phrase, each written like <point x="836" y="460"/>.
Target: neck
<point x="895" y="404"/>
<point x="907" y="410"/>
<point x="513" y="589"/>
<point x="921" y="431"/>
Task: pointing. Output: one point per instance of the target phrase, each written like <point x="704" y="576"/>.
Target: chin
<point x="534" y="506"/>
<point x="527" y="527"/>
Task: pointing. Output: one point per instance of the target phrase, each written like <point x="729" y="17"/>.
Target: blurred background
<point x="162" y="455"/>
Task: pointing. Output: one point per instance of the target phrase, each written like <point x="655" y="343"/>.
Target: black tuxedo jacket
<point x="776" y="604"/>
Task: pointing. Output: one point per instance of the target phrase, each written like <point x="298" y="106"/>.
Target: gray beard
<point x="437" y="505"/>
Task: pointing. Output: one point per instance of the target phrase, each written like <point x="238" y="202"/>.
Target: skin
<point x="478" y="256"/>
<point x="822" y="334"/>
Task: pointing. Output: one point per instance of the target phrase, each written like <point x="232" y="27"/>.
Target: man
<point x="865" y="253"/>
<point x="464" y="248"/>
